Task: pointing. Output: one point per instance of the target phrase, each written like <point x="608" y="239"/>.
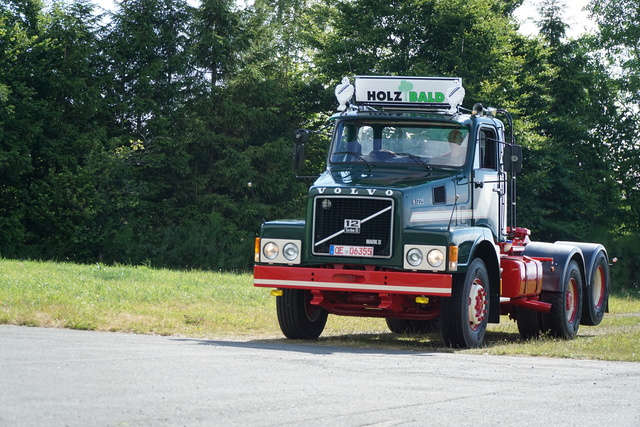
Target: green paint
<point x="426" y="97"/>
<point x="405" y="86"/>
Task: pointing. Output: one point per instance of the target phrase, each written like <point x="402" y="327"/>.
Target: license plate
<point x="364" y="251"/>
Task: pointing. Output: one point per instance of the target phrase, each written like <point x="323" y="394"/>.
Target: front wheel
<point x="299" y="319"/>
<point x="464" y="314"/>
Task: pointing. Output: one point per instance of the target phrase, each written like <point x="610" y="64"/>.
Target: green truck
<point x="414" y="221"/>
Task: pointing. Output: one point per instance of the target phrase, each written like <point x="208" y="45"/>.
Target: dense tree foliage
<point x="618" y="45"/>
<point x="160" y="132"/>
<point x="574" y="196"/>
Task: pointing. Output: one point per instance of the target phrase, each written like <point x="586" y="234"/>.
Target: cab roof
<point x="404" y="115"/>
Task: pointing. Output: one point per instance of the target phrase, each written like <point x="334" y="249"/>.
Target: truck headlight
<point x="291" y="251"/>
<point x="271" y="250"/>
<point x="279" y="251"/>
<point x="435" y="258"/>
<point x="425" y="257"/>
<point x="414" y="257"/>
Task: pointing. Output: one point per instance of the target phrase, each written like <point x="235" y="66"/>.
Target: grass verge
<point x="221" y="305"/>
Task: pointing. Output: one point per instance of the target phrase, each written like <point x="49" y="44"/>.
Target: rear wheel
<point x="464" y="314"/>
<point x="299" y="319"/>
<point x="529" y="323"/>
<point x="404" y="326"/>
<point x="595" y="299"/>
<point x="563" y="320"/>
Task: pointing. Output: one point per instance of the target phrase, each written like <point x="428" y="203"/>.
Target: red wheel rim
<point x="477" y="304"/>
<point x="571" y="300"/>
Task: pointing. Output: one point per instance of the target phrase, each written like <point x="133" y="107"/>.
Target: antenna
<point x="344" y="44"/>
<point x="453" y="210"/>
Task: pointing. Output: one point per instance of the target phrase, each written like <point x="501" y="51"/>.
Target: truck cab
<point x="412" y="221"/>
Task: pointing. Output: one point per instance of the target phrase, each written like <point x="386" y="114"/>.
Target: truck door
<point x="487" y="190"/>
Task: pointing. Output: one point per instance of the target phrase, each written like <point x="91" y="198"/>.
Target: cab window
<point x="486" y="156"/>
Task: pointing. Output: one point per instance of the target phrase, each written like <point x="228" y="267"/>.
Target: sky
<point x="527" y="14"/>
<point x="574" y="16"/>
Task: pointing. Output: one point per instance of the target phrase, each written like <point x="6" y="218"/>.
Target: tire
<point x="529" y="323"/>
<point x="464" y="314"/>
<point x="413" y="327"/>
<point x="566" y="307"/>
<point x="298" y="319"/>
<point x="595" y="297"/>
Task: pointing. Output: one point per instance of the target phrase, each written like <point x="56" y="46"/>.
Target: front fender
<point x="478" y="242"/>
<point x="469" y="241"/>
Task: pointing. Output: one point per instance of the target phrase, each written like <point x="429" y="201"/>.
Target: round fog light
<point x="270" y="250"/>
<point x="414" y="257"/>
<point x="435" y="258"/>
<point x="290" y="251"/>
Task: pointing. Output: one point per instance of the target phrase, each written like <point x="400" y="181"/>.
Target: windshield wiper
<point x="354" y="154"/>
<point x="417" y="159"/>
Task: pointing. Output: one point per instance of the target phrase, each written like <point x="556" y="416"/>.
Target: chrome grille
<point x="364" y="222"/>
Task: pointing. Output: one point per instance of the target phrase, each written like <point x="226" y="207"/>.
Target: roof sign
<point x="439" y="93"/>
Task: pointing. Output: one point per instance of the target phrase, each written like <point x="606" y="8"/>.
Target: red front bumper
<point x="335" y="279"/>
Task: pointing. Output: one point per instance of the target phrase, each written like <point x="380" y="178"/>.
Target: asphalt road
<point x="56" y="377"/>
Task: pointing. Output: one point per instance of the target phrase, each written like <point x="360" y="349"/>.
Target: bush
<point x="625" y="273"/>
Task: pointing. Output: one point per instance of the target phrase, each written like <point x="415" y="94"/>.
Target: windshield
<point x="411" y="143"/>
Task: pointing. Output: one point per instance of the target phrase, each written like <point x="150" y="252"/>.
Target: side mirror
<point x="299" y="139"/>
<point x="512" y="158"/>
<point x="301" y="136"/>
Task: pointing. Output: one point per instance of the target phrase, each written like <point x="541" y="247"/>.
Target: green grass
<point x="131" y="299"/>
<point x="222" y="305"/>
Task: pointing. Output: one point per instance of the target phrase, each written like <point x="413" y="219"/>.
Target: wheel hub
<point x="477" y="304"/>
<point x="571" y="301"/>
<point x="598" y="288"/>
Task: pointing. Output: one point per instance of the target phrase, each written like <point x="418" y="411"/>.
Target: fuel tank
<point x="521" y="276"/>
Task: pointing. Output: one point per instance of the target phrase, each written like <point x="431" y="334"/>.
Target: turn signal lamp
<point x="256" y="250"/>
<point x="276" y="292"/>
<point x="453" y="258"/>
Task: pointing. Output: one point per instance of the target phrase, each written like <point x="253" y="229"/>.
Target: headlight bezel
<point x="272" y="251"/>
<point x="437" y="263"/>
